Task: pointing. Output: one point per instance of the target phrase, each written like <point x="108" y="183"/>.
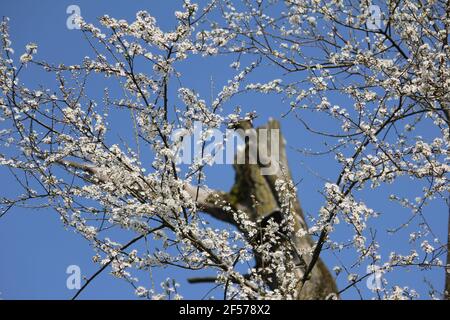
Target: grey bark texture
<point x="252" y="187"/>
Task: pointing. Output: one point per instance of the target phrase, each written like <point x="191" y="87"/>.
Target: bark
<point x="251" y="186"/>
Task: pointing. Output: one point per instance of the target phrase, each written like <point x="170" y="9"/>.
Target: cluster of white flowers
<point x="31" y="49"/>
<point x="383" y="96"/>
<point x="272" y="86"/>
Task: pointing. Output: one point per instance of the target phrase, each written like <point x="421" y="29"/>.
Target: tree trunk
<point x="252" y="187"/>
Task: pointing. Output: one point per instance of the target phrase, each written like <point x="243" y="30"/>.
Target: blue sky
<point x="35" y="249"/>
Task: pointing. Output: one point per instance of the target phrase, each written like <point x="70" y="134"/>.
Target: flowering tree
<point x="374" y="73"/>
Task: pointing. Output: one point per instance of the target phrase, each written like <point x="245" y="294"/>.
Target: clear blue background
<point x="35" y="249"/>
